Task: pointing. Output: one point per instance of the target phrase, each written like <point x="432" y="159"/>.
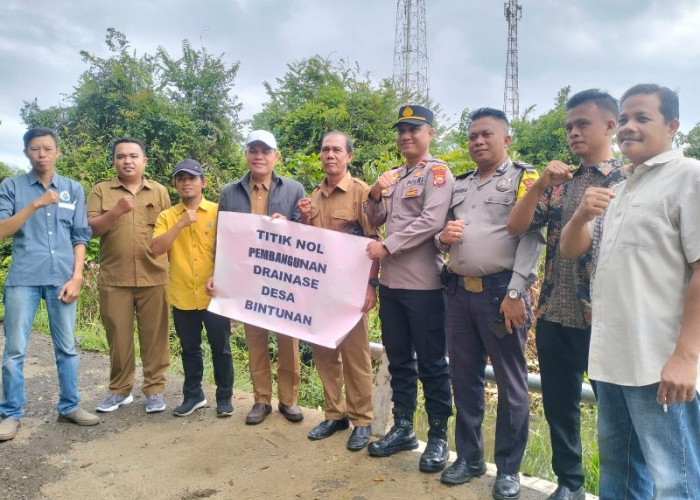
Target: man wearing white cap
<point x="262" y="192"/>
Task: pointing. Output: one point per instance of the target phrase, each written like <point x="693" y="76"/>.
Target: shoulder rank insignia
<point x="439" y="175"/>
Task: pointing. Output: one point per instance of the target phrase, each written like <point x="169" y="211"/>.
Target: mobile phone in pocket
<point x="498" y="326"/>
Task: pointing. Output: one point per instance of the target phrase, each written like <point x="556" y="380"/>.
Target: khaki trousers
<point x="288" y="366"/>
<point x="117" y="305"/>
<point x="350" y="361"/>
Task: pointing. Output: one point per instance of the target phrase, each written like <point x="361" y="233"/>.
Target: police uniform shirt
<point x="484" y="206"/>
<point x="414" y="210"/>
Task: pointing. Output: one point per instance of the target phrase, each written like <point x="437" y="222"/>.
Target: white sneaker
<point x="155" y="403"/>
<point x="114" y="401"/>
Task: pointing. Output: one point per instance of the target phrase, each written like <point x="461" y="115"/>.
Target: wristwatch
<point x="374" y="282"/>
<point x="514" y="294"/>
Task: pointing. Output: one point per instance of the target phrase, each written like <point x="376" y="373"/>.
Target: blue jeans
<point x="644" y="452"/>
<point x="21" y="303"/>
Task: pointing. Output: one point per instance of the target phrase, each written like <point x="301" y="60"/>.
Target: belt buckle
<point x="474" y="285"/>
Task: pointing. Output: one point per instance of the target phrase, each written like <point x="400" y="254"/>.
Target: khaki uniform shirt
<point x="258" y="197"/>
<point x="191" y="255"/>
<point x="342" y="208"/>
<point x="126" y="258"/>
<point x="414" y="210"/>
<point x="486" y="247"/>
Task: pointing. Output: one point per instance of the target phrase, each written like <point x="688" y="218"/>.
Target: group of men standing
<point x="635" y="225"/>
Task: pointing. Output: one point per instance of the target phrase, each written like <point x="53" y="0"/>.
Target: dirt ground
<point x="134" y="455"/>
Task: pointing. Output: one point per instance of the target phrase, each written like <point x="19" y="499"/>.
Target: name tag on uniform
<point x="69" y="206"/>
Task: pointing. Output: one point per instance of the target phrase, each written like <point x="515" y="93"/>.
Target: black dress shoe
<point x="462" y="470"/>
<point x="435" y="456"/>
<point x="507" y="486"/>
<point x="399" y="438"/>
<point x="359" y="437"/>
<point x="291" y="412"/>
<point x="328" y="427"/>
<point x="564" y="493"/>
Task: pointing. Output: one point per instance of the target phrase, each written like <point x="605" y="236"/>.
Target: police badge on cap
<point x="415" y="115"/>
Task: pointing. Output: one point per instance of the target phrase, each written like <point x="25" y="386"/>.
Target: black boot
<point x="399" y="438"/>
<point x="437" y="451"/>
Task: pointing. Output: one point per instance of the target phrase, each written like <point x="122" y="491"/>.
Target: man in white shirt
<point x="645" y="336"/>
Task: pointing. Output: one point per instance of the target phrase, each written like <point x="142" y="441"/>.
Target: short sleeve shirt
<point x="485" y="206"/>
<point x="191" y="255"/>
<point x="414" y="210"/>
<point x="565" y="294"/>
<point x="126" y="258"/>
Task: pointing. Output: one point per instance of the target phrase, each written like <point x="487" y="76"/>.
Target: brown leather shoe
<point x="257" y="413"/>
<point x="291" y="412"/>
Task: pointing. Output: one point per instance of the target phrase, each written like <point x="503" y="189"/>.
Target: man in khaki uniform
<point x="413" y="200"/>
<point x="123" y="212"/>
<point x="262" y="192"/>
<point x="337" y="204"/>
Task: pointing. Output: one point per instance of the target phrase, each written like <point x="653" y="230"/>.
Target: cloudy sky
<point x="610" y="44"/>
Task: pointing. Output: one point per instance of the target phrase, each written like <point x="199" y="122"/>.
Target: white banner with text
<point x="289" y="278"/>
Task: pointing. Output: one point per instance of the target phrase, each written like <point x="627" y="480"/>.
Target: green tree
<point x="179" y="107"/>
<point x="690" y="142"/>
<point x="317" y="95"/>
<point x="7" y="171"/>
<point x="539" y="140"/>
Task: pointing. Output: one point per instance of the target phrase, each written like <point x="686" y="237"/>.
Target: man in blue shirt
<point x="45" y="213"/>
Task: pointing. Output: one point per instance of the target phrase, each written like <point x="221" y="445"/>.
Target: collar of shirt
<point x="343" y="185"/>
<point x="33" y="179"/>
<point x="658" y="160"/>
<point x="117" y="183"/>
<point x="204" y="204"/>
<point x="500" y="170"/>
<point x="404" y="170"/>
<point x="265" y="185"/>
<point x="604" y="167"/>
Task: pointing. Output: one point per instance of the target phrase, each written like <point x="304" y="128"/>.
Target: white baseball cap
<point x="263" y="136"/>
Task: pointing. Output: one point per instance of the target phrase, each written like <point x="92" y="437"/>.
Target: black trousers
<point x="188" y="325"/>
<point x="413" y="333"/>
<point x="471" y="343"/>
<point x="563" y="357"/>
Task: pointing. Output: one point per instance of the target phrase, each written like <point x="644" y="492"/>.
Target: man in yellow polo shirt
<point x="187" y="232"/>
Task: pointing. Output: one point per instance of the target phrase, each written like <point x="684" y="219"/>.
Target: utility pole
<point x="410" y="50"/>
<point x="511" y="98"/>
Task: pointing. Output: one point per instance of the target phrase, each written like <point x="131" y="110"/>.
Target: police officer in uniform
<point x="413" y="201"/>
<point x="488" y="311"/>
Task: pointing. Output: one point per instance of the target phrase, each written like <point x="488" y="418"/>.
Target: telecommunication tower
<point x="410" y="50"/>
<point x="511" y="104"/>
